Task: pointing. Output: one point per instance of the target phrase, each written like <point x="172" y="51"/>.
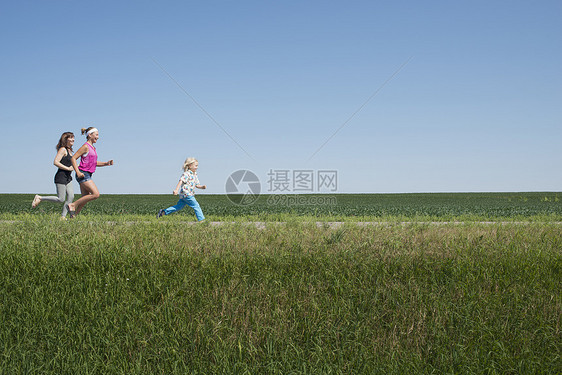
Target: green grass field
<point x="117" y="291"/>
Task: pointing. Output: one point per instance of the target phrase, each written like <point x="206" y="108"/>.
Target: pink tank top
<point x="89" y="161"/>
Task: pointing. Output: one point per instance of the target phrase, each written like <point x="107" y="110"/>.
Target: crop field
<point x="443" y="284"/>
<point x="344" y="207"/>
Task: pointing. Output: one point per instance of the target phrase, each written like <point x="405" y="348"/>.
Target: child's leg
<point x="192" y="202"/>
<point x="181" y="204"/>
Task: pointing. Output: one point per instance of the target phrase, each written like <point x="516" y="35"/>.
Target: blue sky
<point x="468" y="93"/>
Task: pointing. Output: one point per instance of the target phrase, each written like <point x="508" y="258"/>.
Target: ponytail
<point x="88" y="130"/>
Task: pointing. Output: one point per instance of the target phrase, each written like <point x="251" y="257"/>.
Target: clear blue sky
<point x="477" y="107"/>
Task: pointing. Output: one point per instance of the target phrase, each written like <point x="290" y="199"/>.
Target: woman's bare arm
<point x="81" y="151"/>
<point x="58" y="157"/>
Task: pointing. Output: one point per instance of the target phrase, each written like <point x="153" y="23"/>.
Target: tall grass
<point x="93" y="297"/>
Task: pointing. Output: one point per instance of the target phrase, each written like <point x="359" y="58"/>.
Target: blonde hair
<point x="187" y="163"/>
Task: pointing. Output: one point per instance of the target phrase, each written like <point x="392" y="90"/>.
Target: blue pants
<point x="191" y="202"/>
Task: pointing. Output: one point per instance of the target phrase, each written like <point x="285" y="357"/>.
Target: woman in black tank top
<point x="63" y="177"/>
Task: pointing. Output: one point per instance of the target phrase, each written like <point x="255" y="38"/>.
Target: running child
<point x="185" y="188"/>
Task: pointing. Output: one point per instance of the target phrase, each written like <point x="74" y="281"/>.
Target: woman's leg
<point x="61" y="192"/>
<point x="181" y="204"/>
<point x="69" y="197"/>
<point x="192" y="202"/>
<point x="89" y="192"/>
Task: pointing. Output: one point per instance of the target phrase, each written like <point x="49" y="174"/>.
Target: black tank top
<point x="62" y="176"/>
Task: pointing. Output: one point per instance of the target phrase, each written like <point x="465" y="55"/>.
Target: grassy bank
<point x="94" y="297"/>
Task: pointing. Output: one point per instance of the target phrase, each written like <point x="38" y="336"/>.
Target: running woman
<point x="84" y="171"/>
<point x="63" y="177"/>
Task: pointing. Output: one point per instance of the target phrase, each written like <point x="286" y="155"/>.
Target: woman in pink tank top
<point x="84" y="171"/>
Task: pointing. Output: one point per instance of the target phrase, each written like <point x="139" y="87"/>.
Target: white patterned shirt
<point x="188" y="181"/>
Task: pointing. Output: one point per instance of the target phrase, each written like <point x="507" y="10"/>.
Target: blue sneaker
<point x="160" y="214"/>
